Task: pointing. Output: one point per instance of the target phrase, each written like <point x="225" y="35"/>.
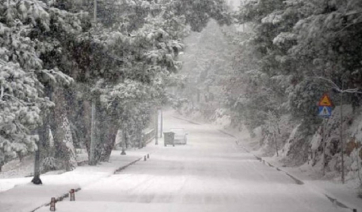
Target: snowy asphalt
<point x="210" y="173"/>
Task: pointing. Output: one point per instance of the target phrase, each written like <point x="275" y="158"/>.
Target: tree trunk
<point x="63" y="141"/>
<point x="79" y="114"/>
<point x="109" y="139"/>
<point x="36" y="179"/>
<point x="125" y="137"/>
<point x="1" y="165"/>
<point x="43" y="138"/>
<point x="108" y="128"/>
<point x="43" y="132"/>
<point x="139" y="137"/>
<point x="86" y="127"/>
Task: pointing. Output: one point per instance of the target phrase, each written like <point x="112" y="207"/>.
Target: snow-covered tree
<point x="22" y="105"/>
<point x="33" y="34"/>
<point x="135" y="41"/>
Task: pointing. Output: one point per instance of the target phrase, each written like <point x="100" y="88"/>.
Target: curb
<point x="125" y="166"/>
<point x="192" y="122"/>
<point x="297" y="181"/>
<point x="61" y="197"/>
<point x="226" y="133"/>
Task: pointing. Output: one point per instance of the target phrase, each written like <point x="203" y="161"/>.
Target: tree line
<point x="289" y="55"/>
<point x="65" y="70"/>
<point x="281" y="57"/>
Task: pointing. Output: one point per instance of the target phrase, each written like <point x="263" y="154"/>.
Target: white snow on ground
<point x="15" y="168"/>
<point x="19" y="172"/>
<point x="311" y="176"/>
<point x="210" y="173"/>
<point x="26" y="197"/>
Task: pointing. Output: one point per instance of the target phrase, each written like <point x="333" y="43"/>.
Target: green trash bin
<point x="169" y="138"/>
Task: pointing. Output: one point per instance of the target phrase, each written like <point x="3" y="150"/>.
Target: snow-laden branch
<point x="18" y="100"/>
<point x="355" y="22"/>
<point x="338" y="89"/>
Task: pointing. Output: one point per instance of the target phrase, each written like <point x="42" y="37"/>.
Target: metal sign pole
<point x="341" y="134"/>
<point x="324" y="143"/>
<point x="325" y="111"/>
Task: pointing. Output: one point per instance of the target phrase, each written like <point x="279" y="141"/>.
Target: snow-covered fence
<point x="148" y="135"/>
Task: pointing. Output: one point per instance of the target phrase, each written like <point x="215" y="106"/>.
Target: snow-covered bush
<point x="50" y="163"/>
<point x="222" y="118"/>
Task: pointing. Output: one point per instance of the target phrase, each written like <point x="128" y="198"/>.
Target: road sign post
<point x="324" y="111"/>
<point x="325" y="107"/>
<point x="341" y="135"/>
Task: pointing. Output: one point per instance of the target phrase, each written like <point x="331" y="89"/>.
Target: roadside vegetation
<point x="272" y="68"/>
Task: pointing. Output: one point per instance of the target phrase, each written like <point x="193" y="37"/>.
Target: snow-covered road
<point x="210" y="173"/>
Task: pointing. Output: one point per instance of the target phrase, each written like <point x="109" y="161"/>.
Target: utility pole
<point x="92" y="160"/>
<point x="161" y="123"/>
<point x="93" y="135"/>
<point x="156" y="127"/>
<point x="95" y="12"/>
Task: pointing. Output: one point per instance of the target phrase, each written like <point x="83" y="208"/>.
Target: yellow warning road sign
<point x="325" y="101"/>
